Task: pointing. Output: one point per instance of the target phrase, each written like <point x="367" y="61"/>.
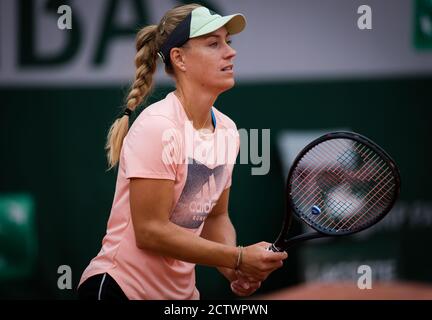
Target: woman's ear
<point x="177" y="58"/>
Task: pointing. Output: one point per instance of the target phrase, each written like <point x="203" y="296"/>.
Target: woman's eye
<point x="229" y="42"/>
<point x="213" y="44"/>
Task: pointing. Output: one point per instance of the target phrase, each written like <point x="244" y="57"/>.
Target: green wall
<point x="53" y="148"/>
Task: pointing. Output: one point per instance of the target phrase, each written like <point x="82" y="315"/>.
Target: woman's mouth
<point x="228" y="68"/>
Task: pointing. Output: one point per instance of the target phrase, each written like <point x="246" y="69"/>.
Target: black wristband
<point x="127" y="112"/>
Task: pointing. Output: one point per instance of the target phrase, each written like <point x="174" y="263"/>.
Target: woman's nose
<point x="231" y="53"/>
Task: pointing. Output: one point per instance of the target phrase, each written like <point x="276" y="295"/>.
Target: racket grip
<point x="285" y="244"/>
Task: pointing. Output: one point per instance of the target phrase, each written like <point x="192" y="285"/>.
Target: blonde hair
<point x="148" y="41"/>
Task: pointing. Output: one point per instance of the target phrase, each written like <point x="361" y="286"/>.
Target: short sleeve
<point x="151" y="149"/>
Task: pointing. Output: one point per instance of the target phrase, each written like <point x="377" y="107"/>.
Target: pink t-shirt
<point x="162" y="144"/>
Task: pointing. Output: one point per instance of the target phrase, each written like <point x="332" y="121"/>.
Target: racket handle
<point x="285" y="244"/>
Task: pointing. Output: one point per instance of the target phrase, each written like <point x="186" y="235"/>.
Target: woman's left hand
<point x="243" y="286"/>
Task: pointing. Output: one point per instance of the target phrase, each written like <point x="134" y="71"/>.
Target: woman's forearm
<point x="171" y="240"/>
<point x="220" y="229"/>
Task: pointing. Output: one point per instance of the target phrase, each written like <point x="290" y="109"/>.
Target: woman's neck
<point x="198" y="104"/>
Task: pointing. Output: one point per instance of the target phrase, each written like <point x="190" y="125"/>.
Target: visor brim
<point x="234" y="23"/>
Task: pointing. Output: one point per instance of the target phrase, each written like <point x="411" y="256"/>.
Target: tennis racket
<point x="339" y="184"/>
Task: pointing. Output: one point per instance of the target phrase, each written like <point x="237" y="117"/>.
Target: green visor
<point x="199" y="22"/>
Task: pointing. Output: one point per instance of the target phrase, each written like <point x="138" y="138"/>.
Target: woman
<point x="174" y="172"/>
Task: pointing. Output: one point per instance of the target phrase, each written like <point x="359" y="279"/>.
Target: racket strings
<point x="372" y="203"/>
<point x="333" y="177"/>
<point x="345" y="179"/>
<point x="346" y="218"/>
<point x="365" y="213"/>
<point x="331" y="168"/>
<point x="361" y="217"/>
<point x="313" y="164"/>
<point x="379" y="199"/>
<point x="335" y="200"/>
<point x="381" y="165"/>
<point x="310" y="197"/>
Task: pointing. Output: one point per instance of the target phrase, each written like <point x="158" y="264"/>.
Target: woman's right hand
<point x="258" y="262"/>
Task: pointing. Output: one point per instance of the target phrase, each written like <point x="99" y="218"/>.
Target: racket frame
<point x="282" y="243"/>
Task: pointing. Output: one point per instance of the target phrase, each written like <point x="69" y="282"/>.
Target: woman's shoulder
<point x="161" y="113"/>
<point x="154" y="121"/>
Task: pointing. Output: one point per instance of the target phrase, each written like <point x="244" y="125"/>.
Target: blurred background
<point x="302" y="68"/>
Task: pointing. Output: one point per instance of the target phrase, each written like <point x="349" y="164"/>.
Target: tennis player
<point x="170" y="208"/>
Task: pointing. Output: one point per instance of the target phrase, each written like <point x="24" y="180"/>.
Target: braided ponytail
<point x="145" y="63"/>
<point x="148" y="41"/>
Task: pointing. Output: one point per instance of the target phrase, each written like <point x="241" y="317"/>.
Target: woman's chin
<point x="227" y="84"/>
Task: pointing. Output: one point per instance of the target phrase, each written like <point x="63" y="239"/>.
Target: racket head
<point x="339" y="184"/>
